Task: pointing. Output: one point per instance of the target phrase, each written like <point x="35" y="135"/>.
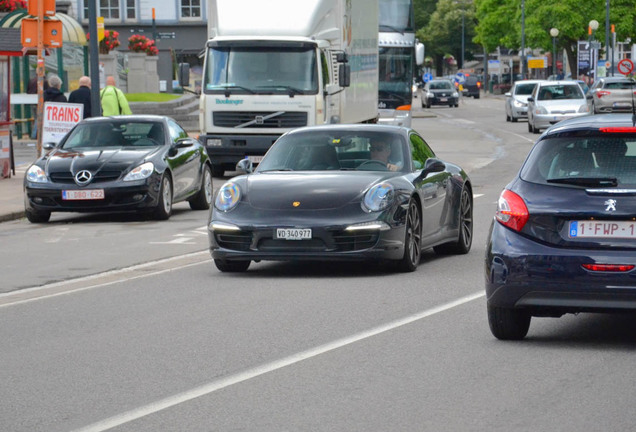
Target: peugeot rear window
<point x="607" y="160"/>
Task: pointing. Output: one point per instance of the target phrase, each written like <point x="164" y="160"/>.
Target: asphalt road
<point x="117" y="323"/>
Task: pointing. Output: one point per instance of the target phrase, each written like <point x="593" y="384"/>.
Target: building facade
<point x="179" y="28"/>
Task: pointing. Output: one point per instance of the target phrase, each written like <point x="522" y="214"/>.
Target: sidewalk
<point x="11" y="195"/>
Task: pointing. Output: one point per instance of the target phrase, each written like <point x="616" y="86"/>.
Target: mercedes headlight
<point x="141" y="172"/>
<point x="378" y="198"/>
<point x="35" y="174"/>
<point x="228" y="197"/>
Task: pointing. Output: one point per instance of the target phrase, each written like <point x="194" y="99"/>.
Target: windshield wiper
<point x="292" y="90"/>
<point x="586" y="181"/>
<point x="228" y="87"/>
<point x="275" y="169"/>
<point x="393" y="29"/>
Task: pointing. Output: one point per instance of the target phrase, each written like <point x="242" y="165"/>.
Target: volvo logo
<point x="259" y="120"/>
<point x="83" y="177"/>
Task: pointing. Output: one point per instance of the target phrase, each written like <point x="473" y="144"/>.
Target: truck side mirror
<point x="184" y="74"/>
<point x="342" y="57"/>
<point x="419" y="53"/>
<point x="344" y="75"/>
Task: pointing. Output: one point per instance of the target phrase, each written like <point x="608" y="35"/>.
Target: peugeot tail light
<point x="511" y="210"/>
<point x="602" y="93"/>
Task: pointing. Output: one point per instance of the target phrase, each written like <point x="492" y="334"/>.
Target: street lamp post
<point x="593" y="26"/>
<point x="523" y="39"/>
<point x="554" y="32"/>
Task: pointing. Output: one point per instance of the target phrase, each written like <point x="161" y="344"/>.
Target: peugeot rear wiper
<point x="586" y="181"/>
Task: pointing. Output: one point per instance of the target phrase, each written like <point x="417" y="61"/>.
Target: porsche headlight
<point x="141" y="172"/>
<point x="378" y="198"/>
<point x="35" y="174"/>
<point x="228" y="197"/>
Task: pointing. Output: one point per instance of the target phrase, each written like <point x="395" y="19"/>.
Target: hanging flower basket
<point x="142" y="44"/>
<point x="11" y="5"/>
<point x="109" y="43"/>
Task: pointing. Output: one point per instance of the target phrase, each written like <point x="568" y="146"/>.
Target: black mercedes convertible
<point x="124" y="163"/>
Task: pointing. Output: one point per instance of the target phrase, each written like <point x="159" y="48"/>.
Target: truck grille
<point x="259" y="120"/>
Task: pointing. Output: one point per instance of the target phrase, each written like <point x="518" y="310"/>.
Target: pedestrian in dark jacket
<point x="82" y="95"/>
<point x="53" y="93"/>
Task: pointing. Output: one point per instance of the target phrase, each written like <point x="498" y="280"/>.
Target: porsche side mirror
<point x="185" y="142"/>
<point x="245" y="165"/>
<point x="433" y="165"/>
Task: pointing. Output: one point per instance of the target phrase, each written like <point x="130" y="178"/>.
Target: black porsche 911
<point x="359" y="192"/>
<point x="138" y="162"/>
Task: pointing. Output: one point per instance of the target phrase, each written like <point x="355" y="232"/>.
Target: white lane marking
<point x="477" y="195"/>
<point x="178" y="240"/>
<point x="99" y="280"/>
<point x="237" y="378"/>
<point x="518" y="136"/>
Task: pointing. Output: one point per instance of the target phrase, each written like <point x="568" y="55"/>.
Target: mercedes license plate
<point x="78" y="195"/>
<point x="293" y="233"/>
<point x="602" y="229"/>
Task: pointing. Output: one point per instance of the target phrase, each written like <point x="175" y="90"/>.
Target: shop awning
<point x="72" y="31"/>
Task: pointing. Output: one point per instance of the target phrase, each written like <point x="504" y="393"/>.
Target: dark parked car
<point x="564" y="235"/>
<point x="343" y="192"/>
<point x="440" y="92"/>
<point x="471" y="86"/>
<point x="123" y="163"/>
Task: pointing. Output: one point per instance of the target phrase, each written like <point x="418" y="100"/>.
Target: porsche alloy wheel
<point x="465" y="238"/>
<point x="164" y="205"/>
<point x="412" y="240"/>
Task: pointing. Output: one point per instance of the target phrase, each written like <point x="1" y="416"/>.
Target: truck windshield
<point x="396" y="16"/>
<point x="261" y="70"/>
<point x="396" y="76"/>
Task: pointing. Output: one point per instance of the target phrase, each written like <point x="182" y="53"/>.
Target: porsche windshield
<point x="312" y="151"/>
<point x="115" y="134"/>
<point x="261" y="70"/>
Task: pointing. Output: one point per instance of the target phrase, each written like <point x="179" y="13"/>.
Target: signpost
<point x="41" y="34"/>
<point x="625" y="66"/>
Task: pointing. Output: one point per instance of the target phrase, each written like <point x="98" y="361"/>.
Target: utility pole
<point x="40" y="73"/>
<point x="96" y="107"/>
<point x="523" y="39"/>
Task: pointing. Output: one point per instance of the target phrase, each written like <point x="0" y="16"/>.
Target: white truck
<point x="271" y="66"/>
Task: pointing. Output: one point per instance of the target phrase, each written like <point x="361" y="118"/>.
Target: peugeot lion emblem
<point x="610" y="205"/>
<point x="83" y="177"/>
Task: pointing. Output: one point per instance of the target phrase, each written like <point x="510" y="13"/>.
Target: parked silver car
<point x="612" y="94"/>
<point x="517" y="99"/>
<point x="553" y="101"/>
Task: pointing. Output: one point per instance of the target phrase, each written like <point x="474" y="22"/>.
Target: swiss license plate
<point x="602" y="229"/>
<point x="293" y="233"/>
<point x="255" y="159"/>
<point x="87" y="194"/>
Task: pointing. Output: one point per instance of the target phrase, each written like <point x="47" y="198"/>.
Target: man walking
<point x="114" y="101"/>
<point x="82" y="95"/>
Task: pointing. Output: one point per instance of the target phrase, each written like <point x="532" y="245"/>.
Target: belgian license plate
<point x="255" y="159"/>
<point x="602" y="229"/>
<point x="293" y="233"/>
<point x="79" y="195"/>
<point x="443" y="99"/>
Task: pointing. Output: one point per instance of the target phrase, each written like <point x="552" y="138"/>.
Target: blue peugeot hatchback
<point x="563" y="239"/>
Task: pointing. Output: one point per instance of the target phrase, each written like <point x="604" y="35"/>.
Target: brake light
<point x="404" y="108"/>
<point x="511" y="210"/>
<point x="602" y="93"/>
<point x="626" y="129"/>
<point x="608" y="267"/>
<point x="478" y="84"/>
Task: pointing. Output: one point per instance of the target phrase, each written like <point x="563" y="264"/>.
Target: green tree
<point x="443" y="33"/>
<point x="500" y="23"/>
